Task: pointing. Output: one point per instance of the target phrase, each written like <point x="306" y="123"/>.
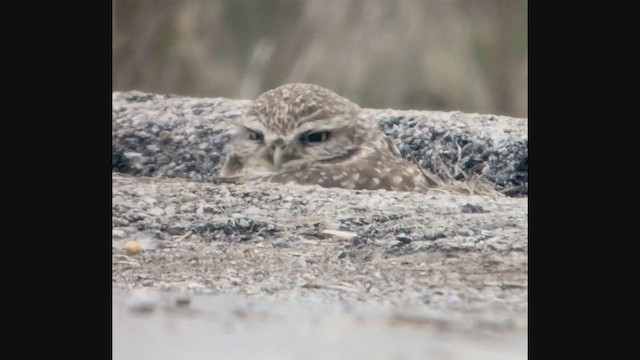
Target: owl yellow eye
<point x="314" y="137"/>
<point x="255" y="135"/>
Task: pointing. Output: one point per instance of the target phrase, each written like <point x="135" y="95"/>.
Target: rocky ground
<point x="263" y="271"/>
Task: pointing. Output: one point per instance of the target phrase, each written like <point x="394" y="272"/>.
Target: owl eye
<point x="255" y="135"/>
<point x="314" y="137"/>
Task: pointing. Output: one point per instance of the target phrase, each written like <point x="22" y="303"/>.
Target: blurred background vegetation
<point x="467" y="55"/>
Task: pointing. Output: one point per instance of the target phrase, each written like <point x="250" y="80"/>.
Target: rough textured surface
<point x="174" y="136"/>
<point x="310" y="270"/>
<point x="287" y="230"/>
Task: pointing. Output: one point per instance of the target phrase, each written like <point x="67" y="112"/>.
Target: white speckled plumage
<point x="306" y="134"/>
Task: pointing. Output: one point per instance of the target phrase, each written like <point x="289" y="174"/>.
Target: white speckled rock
<point x="177" y="136"/>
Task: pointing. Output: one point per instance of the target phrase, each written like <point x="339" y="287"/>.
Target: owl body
<point x="306" y="134"/>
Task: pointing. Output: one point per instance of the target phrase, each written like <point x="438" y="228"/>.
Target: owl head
<point x="295" y="126"/>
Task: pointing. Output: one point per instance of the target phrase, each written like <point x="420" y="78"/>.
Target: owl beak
<point x="277" y="158"/>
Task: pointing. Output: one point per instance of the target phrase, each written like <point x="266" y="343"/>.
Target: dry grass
<point x="445" y="182"/>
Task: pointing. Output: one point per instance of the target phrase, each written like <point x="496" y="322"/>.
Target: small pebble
<point x="133" y="248"/>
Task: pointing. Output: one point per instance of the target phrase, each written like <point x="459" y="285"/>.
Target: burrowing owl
<point x="306" y="134"/>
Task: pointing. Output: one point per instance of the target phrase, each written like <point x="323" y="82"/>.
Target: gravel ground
<point x="309" y="272"/>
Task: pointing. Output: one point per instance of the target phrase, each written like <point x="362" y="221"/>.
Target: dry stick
<point x="457" y="164"/>
<point x="429" y="180"/>
<point x="349" y="288"/>
<point x="226" y="180"/>
<point x="184" y="236"/>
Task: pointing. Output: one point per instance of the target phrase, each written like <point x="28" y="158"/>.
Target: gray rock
<point x="416" y="221"/>
<point x="184" y="137"/>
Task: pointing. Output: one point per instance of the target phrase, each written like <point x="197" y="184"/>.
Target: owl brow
<point x="315" y="128"/>
<point x="310" y="117"/>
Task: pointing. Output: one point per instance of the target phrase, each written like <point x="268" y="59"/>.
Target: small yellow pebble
<point x="133" y="248"/>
